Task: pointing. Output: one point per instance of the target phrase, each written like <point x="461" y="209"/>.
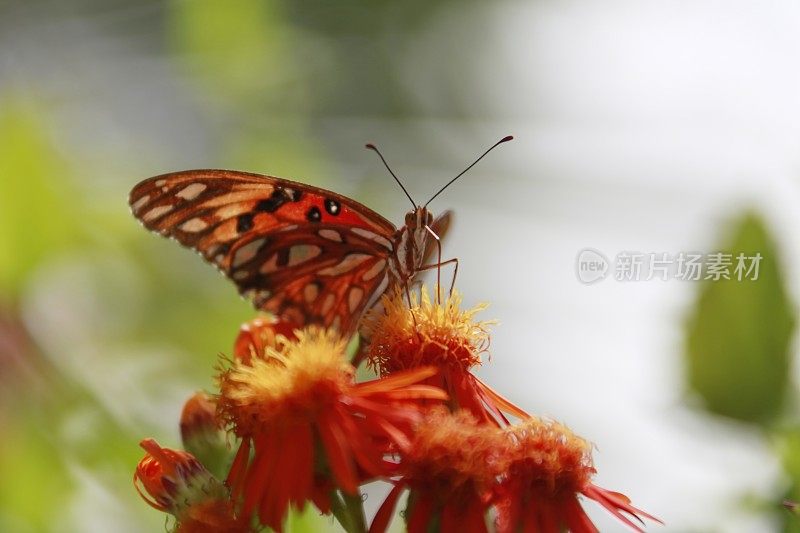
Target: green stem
<point x="340" y="511"/>
<point x="355" y="508"/>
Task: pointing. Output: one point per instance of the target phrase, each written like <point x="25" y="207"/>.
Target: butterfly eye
<point x="428" y="218"/>
<point x="411" y="219"/>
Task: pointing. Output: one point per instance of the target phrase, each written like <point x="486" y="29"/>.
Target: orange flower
<point x="298" y="400"/>
<point x="175" y="482"/>
<point x="450" y="469"/>
<point x="549" y="467"/>
<point x="441" y="335"/>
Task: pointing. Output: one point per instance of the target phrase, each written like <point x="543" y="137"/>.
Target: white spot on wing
<point x="161" y="183"/>
<point x="138" y="204"/>
<point x="229" y="211"/>
<point x="263" y="296"/>
<point x="330" y="234"/>
<point x="374" y="270"/>
<point x="310" y="292"/>
<point x="157" y="212"/>
<point x="247" y="252"/>
<point x="354" y="298"/>
<point x="375" y="296"/>
<point x="383" y="241"/>
<point x="190" y="192"/>
<point x="300" y="253"/>
<point x="347" y="264"/>
<point x="327" y="305"/>
<point x="193" y="225"/>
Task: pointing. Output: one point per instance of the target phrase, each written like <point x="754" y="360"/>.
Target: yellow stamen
<point x="429" y="333"/>
<point x="292" y="378"/>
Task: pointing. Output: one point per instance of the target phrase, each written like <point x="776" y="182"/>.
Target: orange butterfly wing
<point x="301" y="252"/>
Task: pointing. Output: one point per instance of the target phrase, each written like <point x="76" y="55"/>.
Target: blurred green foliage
<point x="239" y="50"/>
<point x="35" y="466"/>
<point x="37" y="211"/>
<point x="739" y="357"/>
<point x="788" y="448"/>
<point x="738" y="354"/>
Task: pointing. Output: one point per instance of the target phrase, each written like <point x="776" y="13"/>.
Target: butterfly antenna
<point x="372" y="147"/>
<point x="495" y="145"/>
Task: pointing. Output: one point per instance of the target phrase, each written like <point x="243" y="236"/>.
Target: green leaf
<point x="737" y="357"/>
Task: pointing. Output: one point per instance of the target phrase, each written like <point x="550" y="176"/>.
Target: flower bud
<point x="174" y="481"/>
<point x="203" y="435"/>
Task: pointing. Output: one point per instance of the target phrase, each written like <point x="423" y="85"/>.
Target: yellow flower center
<point x="294" y="379"/>
<point x="427" y="333"/>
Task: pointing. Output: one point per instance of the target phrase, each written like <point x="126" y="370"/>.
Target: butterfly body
<point x="301" y="252"/>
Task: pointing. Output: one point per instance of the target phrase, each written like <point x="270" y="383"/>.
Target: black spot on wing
<point x="314" y="214"/>
<point x="283" y="257"/>
<point x="332" y="207"/>
<point x="279" y="196"/>
<point x="293" y="194"/>
<point x="244" y="222"/>
<point x="271" y="204"/>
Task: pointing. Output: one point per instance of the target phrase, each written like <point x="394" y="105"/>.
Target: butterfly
<point x="302" y="253"/>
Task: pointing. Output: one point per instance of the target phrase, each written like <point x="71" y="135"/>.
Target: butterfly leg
<point x="439" y="266"/>
<point x="410" y="308"/>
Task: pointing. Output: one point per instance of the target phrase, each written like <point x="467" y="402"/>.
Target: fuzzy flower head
<point x="427" y="333"/>
<point x="290" y="382"/>
<point x="175" y="482"/>
<point x="548" y="468"/>
<point x="442" y="335"/>
<point x="550" y="456"/>
<point x="450" y="470"/>
<point x="451" y="454"/>
<point x="307" y="427"/>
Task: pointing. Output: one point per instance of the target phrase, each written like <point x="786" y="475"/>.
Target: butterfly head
<point x="415" y="235"/>
<point x="418" y="219"/>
